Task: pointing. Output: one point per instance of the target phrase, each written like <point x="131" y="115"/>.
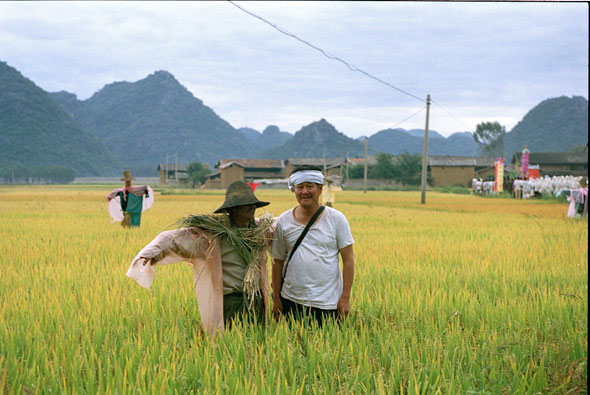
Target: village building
<point x="444" y="170"/>
<point x="247" y="170"/>
<point x="371" y="161"/>
<point x="459" y="170"/>
<point x="332" y="167"/>
<point x="172" y="173"/>
<point x="555" y="163"/>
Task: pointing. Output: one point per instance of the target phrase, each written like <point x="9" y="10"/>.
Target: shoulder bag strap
<point x="301" y="236"/>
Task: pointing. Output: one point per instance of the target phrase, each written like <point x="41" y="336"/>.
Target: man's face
<point x="308" y="193"/>
<point x="244" y="213"/>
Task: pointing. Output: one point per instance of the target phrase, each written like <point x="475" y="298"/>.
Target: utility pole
<point x="325" y="162"/>
<point x="176" y="168"/>
<point x="341" y="167"/>
<point x="425" y="156"/>
<point x="347" y="167"/>
<point x="166" y="176"/>
<point x="366" y="165"/>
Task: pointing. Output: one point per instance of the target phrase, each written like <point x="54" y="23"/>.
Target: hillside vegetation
<point x="554" y="125"/>
<point x="35" y="130"/>
<point x="138" y="125"/>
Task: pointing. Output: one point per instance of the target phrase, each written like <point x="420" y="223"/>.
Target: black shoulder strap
<point x="302" y="235"/>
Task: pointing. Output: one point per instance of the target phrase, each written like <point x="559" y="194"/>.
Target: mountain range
<point x="32" y="124"/>
<point x="136" y="125"/>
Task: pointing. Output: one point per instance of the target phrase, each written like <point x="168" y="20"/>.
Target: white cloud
<point x="479" y="61"/>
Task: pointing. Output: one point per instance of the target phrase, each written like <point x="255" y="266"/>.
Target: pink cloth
<point x="200" y="249"/>
<point x="578" y="196"/>
<point x="136" y="190"/>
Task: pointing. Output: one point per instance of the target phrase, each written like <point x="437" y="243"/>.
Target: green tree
<point x="356" y="171"/>
<point x="384" y="169"/>
<point x="196" y="173"/>
<point x="46" y="174"/>
<point x="579" y="149"/>
<point x="490" y="138"/>
<point x="409" y="169"/>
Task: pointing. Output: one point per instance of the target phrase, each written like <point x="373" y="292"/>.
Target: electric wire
<point x="350" y="67"/>
<point x="408" y="118"/>
<point x="451" y="115"/>
<point x="326" y="54"/>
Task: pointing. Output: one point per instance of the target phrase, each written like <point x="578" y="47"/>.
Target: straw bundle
<point x="249" y="243"/>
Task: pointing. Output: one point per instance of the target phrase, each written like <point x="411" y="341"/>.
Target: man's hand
<point x="343" y="307"/>
<point x="277" y="283"/>
<point x="277" y="308"/>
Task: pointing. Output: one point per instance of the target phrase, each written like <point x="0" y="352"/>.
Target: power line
<point x="451" y="115"/>
<point x="408" y="118"/>
<point x="326" y="54"/>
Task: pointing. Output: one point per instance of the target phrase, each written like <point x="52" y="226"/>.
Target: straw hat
<point x="240" y="194"/>
<point x="127" y="176"/>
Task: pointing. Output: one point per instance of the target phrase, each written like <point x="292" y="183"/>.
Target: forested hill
<point x="315" y="140"/>
<point x="35" y="130"/>
<point x="554" y="125"/>
<point x="270" y="138"/>
<point x="398" y="141"/>
<point x="135" y="125"/>
<point x="145" y="120"/>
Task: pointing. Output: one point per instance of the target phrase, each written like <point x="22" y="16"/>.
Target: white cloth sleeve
<point x="114" y="209"/>
<point x="149" y="200"/>
<point x="162" y="251"/>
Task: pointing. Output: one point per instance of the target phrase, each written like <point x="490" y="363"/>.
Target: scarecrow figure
<point x="126" y="204"/>
<point x="227" y="252"/>
<point x="329" y="192"/>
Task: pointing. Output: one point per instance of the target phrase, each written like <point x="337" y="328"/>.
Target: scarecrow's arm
<point x="168" y="247"/>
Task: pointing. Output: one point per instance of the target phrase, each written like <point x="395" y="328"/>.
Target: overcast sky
<point x="478" y="61"/>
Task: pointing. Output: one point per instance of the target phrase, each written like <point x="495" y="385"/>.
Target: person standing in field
<point x="306" y="275"/>
<point x="131" y="200"/>
<point x="227" y="251"/>
<point x="329" y="192"/>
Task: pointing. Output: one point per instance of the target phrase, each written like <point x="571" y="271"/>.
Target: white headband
<point x="297" y="178"/>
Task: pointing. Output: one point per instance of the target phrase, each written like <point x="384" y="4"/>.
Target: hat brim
<point x="224" y="207"/>
<point x="127" y="179"/>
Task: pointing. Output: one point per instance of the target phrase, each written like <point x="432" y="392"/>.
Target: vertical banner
<point x="496" y="176"/>
<point x="524" y="167"/>
<point x="499" y="175"/>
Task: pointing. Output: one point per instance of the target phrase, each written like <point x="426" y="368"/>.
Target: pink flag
<point x="524" y="167"/>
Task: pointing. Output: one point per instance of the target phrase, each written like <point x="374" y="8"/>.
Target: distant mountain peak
<point x="67" y="94"/>
<point x="250" y="134"/>
<point x="271" y="129"/>
<point x="315" y="140"/>
<point x="162" y="76"/>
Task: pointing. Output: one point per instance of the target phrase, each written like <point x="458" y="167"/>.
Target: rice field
<point x="464" y="295"/>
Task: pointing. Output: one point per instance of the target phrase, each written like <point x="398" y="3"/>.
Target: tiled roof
<point x="547" y="158"/>
<point x="475" y="161"/>
<point x="251" y="163"/>
<point x="371" y="161"/>
<point x="313" y="161"/>
<point x="172" y="166"/>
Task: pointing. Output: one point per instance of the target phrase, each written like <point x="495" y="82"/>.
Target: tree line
<point x="405" y="169"/>
<point x="48" y="174"/>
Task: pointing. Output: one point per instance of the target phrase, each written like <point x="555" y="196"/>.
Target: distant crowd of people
<point x="527" y="188"/>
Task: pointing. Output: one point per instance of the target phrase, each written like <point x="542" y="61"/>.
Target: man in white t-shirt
<point x="310" y="282"/>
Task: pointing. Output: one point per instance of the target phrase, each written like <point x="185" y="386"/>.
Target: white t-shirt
<point x="313" y="275"/>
